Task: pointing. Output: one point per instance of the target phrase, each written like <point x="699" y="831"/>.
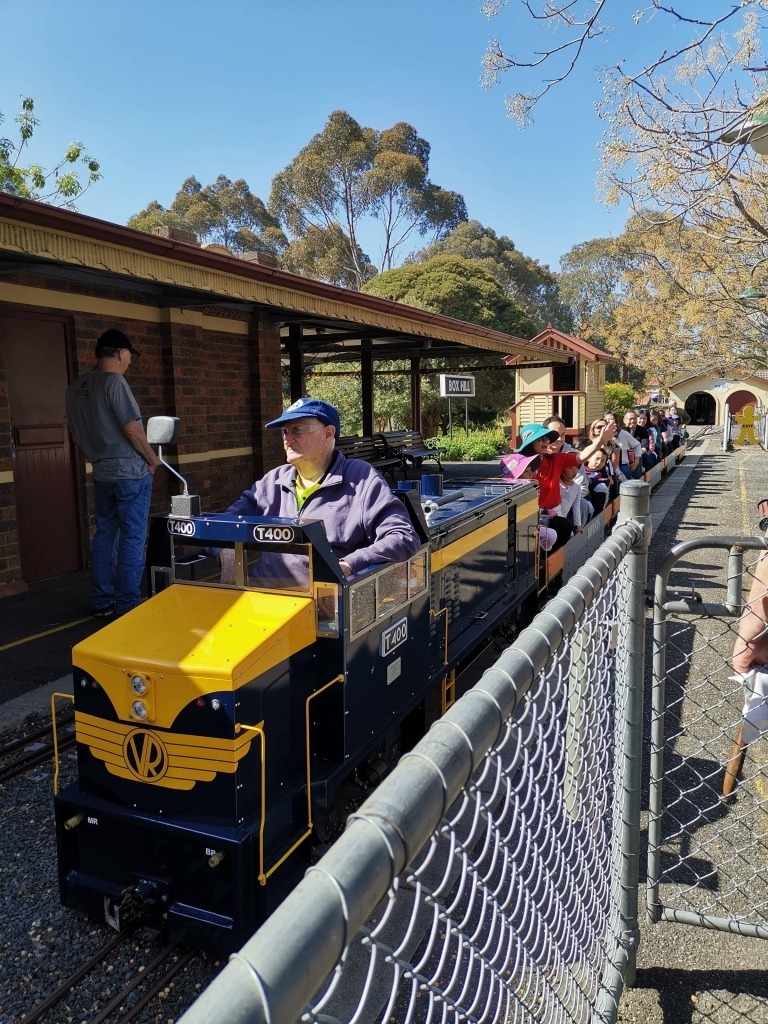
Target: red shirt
<point x="549" y="476"/>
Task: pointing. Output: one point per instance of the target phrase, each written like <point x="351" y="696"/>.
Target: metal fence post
<point x="635" y="504"/>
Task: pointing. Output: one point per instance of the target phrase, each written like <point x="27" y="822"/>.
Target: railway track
<point x="146" y="984"/>
<point x="35" y="748"/>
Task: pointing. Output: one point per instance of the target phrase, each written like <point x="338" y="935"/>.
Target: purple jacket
<point x="365" y="523"/>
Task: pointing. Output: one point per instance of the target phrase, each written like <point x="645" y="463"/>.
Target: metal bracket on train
<point x="131" y="906"/>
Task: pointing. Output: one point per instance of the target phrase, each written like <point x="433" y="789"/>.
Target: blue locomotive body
<point x="224" y="730"/>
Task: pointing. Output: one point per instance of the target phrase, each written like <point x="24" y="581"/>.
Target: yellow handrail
<point x="338" y="679"/>
<point x="64" y="696"/>
<point x="259" y="730"/>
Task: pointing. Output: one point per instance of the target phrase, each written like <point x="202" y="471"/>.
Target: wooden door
<point x="35" y="356"/>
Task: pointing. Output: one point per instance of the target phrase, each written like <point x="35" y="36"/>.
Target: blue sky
<point x="161" y="90"/>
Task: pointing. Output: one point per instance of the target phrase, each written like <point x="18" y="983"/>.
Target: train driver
<point x="364" y="521"/>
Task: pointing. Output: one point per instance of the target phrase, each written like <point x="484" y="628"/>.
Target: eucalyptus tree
<point x="60" y="185"/>
<point x="349" y="175"/>
<point x="462" y="289"/>
<point x="530" y="284"/>
<point x="225" y="212"/>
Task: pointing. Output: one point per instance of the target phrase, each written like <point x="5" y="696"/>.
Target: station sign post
<point x="454" y="385"/>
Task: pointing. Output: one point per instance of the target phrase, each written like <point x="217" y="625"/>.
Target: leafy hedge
<point x="477" y="446"/>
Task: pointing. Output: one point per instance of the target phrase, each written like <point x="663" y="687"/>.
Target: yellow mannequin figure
<point x="747" y="420"/>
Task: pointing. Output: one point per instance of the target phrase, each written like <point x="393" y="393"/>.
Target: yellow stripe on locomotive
<point x="170" y="760"/>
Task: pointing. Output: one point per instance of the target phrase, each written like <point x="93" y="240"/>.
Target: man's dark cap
<point x="114" y="339"/>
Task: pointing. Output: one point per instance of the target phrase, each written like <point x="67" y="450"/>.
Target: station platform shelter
<point x="219" y="334"/>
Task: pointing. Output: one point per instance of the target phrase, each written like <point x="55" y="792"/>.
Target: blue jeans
<point x="117" y="552"/>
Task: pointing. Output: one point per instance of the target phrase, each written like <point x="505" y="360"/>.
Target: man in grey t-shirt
<point x="106" y="423"/>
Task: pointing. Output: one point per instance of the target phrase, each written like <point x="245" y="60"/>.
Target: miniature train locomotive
<point x="225" y="730"/>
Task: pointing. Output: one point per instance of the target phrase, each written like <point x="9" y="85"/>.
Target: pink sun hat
<point x="514" y="465"/>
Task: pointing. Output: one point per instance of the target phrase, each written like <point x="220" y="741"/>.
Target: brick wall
<point x="10" y="559"/>
<point x="223" y="385"/>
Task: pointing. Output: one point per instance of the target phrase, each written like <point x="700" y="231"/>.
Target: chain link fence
<point x="708" y="798"/>
<point x="493" y="876"/>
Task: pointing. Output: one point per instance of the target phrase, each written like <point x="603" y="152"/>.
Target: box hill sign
<point x="453" y="386"/>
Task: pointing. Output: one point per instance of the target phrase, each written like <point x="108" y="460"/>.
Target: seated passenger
<point x="561" y="445"/>
<point x="364" y="521"/>
<point x="600" y="480"/>
<point x="628" y="460"/>
<point x="674" y="428"/>
<point x="679" y="414"/>
<point x="537" y="440"/>
<point x="640" y="433"/>
<point x="644" y="422"/>
<point x="612" y="450"/>
<point x="657" y="425"/>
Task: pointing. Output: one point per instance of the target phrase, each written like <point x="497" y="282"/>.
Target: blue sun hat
<point x="322" y="411"/>
<point x="535" y="432"/>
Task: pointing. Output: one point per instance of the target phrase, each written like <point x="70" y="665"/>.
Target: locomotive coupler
<point x="134" y="904"/>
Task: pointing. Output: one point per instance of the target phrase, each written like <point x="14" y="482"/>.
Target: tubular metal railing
<point x="708" y="799"/>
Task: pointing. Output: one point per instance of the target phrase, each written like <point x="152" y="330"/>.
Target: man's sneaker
<point x="103" y="613"/>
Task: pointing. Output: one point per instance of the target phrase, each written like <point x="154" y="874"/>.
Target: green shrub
<point x="454" y="448"/>
<point x="619" y="398"/>
<point x="477" y="446"/>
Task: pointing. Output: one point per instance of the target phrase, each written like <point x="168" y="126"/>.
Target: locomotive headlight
<point x="139" y="709"/>
<point x="138" y="685"/>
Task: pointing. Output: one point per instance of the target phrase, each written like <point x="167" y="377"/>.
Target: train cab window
<point x="327" y="609"/>
<point x="362" y="606"/>
<point x="417" y="574"/>
<point x="190" y="563"/>
<point x="273" y="566"/>
<point x="278" y="567"/>
<point x="393" y="589"/>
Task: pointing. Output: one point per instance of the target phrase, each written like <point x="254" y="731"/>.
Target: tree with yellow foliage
<point x="664" y="117"/>
<point x="664" y="298"/>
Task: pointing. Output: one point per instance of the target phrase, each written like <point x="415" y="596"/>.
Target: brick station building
<point x="217" y="334"/>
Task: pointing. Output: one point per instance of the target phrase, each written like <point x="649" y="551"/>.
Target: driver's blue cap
<point x="322" y="411"/>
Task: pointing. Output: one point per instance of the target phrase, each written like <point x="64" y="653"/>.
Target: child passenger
<point x="525" y="467"/>
<point x="535" y="440"/>
<point x="600" y="480"/>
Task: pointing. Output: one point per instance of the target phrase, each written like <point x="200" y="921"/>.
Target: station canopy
<point x="318" y="322"/>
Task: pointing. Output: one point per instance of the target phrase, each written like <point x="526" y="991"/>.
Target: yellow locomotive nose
<point x="187" y="642"/>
